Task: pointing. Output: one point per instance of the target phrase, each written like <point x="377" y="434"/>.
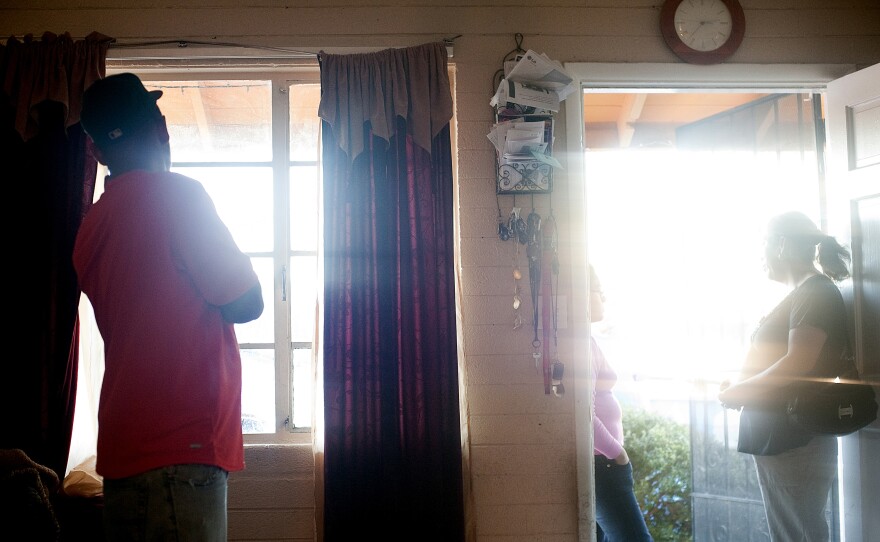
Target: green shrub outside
<point x="659" y="449"/>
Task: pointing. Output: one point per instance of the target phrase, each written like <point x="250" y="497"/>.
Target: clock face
<point x="702" y="31"/>
<point x="703" y="25"/>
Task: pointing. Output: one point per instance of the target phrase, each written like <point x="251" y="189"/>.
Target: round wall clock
<point x="702" y="31"/>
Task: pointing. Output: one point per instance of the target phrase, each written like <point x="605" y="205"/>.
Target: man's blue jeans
<point x="618" y="516"/>
<point x="180" y="502"/>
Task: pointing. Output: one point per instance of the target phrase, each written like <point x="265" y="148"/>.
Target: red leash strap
<point x="547" y="324"/>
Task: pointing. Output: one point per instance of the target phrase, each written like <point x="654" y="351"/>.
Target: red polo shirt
<point x="156" y="262"/>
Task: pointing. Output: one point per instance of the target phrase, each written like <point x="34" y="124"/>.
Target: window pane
<point x="261" y="330"/>
<point x="243" y="198"/>
<point x="303" y="386"/>
<point x="304" y="206"/>
<point x="258" y="391"/>
<point x="304" y="122"/>
<point x="211" y="121"/>
<point x="303" y="297"/>
<point x="221" y="135"/>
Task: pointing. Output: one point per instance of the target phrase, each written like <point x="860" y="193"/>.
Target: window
<point x="253" y="141"/>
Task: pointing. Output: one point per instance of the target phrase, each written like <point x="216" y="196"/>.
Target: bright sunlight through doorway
<point x="679" y="188"/>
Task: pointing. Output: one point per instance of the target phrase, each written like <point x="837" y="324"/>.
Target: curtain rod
<point x="286" y="52"/>
<point x="185" y="44"/>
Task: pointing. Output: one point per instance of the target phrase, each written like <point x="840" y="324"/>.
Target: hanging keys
<point x="517" y="227"/>
<point x="533" y="228"/>
<point x="522" y="231"/>
<point x="503" y="230"/>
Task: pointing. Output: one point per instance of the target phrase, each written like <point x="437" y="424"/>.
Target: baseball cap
<point x="116" y="106"/>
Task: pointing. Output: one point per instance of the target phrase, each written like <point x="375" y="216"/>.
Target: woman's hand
<point x="729" y="395"/>
<point x="724" y="394"/>
<point x="622" y="458"/>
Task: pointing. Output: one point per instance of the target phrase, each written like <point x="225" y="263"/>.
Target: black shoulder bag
<point x="838" y="407"/>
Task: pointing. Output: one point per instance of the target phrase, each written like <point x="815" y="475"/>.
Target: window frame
<point x="282" y="75"/>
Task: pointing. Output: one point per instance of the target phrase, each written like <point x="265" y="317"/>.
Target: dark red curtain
<point x="392" y="449"/>
<point x="48" y="175"/>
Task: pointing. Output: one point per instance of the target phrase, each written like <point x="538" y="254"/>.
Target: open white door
<point x="853" y="121"/>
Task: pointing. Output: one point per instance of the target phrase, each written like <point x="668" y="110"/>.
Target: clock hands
<point x="695" y="35"/>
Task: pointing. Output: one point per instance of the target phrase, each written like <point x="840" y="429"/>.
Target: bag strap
<point x="848" y="367"/>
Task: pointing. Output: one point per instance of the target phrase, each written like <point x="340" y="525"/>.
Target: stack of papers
<point x="519" y="139"/>
<point x="535" y="81"/>
<point x="523" y="94"/>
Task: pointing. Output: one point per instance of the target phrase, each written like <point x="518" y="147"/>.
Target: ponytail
<point x="833" y="258"/>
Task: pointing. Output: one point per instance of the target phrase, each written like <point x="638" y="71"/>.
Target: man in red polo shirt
<point x="167" y="283"/>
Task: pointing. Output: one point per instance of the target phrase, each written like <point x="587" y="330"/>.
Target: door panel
<point x="854" y="213"/>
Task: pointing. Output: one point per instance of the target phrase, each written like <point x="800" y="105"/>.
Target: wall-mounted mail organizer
<point x="528" y="90"/>
<point x="524" y="162"/>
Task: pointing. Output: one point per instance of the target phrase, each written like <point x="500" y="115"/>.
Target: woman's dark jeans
<point x="618" y="517"/>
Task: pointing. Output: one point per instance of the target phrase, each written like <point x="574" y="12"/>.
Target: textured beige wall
<point x="522" y="471"/>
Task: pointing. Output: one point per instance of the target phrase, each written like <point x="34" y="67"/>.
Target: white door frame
<point x="643" y="77"/>
<point x="855" y="196"/>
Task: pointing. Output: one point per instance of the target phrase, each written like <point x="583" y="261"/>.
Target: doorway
<point x="680" y="234"/>
<point x="679" y="187"/>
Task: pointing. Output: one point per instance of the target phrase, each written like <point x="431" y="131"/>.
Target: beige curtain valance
<point x="411" y="82"/>
<point x="55" y="68"/>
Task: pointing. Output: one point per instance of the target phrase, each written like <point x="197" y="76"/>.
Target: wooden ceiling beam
<point x="630" y="111"/>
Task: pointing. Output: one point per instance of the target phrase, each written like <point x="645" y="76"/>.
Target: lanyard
<point x="534" y="253"/>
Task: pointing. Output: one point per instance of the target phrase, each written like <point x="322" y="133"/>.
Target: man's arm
<point x="246" y="308"/>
